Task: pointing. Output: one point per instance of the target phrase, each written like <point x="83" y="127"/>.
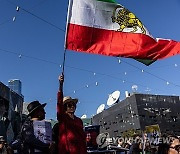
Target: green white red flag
<point x="107" y="28"/>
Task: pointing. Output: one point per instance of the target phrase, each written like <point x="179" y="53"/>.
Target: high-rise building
<point x="15" y="85"/>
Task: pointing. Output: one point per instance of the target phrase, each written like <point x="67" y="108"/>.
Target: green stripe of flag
<point x="110" y="1"/>
<point x="147" y="62"/>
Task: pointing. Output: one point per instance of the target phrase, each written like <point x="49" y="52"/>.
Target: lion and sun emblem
<point x="126" y="19"/>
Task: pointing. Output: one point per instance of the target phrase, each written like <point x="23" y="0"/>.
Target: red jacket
<point x="72" y="139"/>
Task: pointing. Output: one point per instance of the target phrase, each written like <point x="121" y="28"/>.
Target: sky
<point x="32" y="49"/>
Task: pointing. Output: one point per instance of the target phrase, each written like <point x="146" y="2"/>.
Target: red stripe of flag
<point x="121" y="44"/>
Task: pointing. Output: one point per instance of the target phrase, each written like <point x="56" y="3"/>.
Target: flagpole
<point x="67" y="21"/>
<point x="64" y="59"/>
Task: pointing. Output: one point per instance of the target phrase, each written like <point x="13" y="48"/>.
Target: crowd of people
<point x="68" y="136"/>
<point x="139" y="145"/>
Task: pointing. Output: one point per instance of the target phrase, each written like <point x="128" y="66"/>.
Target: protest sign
<point x="153" y="133"/>
<point x="43" y="131"/>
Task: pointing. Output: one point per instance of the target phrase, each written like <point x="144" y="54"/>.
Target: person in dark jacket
<point x="72" y="138"/>
<point x="31" y="144"/>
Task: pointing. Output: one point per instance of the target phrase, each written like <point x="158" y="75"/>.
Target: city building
<point x="25" y="111"/>
<point x="15" y="85"/>
<point x="139" y="111"/>
<point x="11" y="105"/>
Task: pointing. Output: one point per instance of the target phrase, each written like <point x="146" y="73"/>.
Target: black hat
<point x="34" y="106"/>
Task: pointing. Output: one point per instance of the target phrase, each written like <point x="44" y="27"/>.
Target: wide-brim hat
<point x="34" y="106"/>
<point x="68" y="99"/>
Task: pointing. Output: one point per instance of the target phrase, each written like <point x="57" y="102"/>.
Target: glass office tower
<point x="15" y="85"/>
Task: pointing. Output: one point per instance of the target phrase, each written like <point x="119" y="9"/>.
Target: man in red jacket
<point x="72" y="139"/>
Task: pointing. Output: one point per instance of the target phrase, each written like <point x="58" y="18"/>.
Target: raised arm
<point x="61" y="82"/>
<point x="60" y="107"/>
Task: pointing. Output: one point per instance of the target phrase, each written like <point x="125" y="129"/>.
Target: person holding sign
<point x="33" y="128"/>
<point x="72" y="138"/>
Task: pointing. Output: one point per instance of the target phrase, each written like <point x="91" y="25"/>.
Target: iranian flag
<point x="107" y="28"/>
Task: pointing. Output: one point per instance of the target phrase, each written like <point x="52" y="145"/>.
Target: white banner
<point x="43" y="131"/>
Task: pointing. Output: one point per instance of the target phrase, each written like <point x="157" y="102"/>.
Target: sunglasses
<point x="71" y="105"/>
